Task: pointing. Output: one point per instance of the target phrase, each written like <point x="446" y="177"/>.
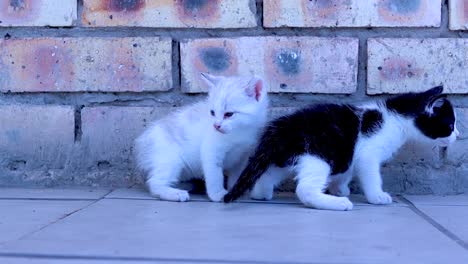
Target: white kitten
<point x="205" y="139"/>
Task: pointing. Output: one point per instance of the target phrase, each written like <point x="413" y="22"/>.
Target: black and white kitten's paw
<point x="172" y="194"/>
<point x="326" y="202"/>
<point x="341" y="204"/>
<point x="217" y="196"/>
<point x="339" y="190"/>
<point x="379" y="198"/>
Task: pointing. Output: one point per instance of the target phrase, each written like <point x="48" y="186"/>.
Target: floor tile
<point x="20" y="217"/>
<point x="244" y="232"/>
<point x="77" y="193"/>
<point x="453" y="218"/>
<point x="28" y="260"/>
<point x="279" y="198"/>
<point x="438" y="200"/>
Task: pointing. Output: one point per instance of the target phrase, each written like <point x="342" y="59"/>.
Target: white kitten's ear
<point x="211" y="80"/>
<point x="255" y="88"/>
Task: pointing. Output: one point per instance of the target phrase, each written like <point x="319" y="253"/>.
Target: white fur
<point x="371" y="151"/>
<point x="313" y="174"/>
<point x="312" y="177"/>
<point x="185" y="144"/>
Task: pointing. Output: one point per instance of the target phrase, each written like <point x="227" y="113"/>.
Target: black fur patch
<point x="371" y="122"/>
<point x="438" y="124"/>
<point x="412" y="104"/>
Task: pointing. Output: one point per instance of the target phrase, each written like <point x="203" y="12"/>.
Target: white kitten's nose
<point x="218" y="128"/>
<point x="457" y="133"/>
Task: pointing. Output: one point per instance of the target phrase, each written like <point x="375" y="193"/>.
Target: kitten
<point x="206" y="139"/>
<point x="324" y="145"/>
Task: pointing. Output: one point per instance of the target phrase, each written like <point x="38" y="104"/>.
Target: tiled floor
<point x="128" y="226"/>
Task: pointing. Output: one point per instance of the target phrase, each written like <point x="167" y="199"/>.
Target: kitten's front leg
<point x="212" y="163"/>
<point x="235" y="172"/>
<point x="368" y="171"/>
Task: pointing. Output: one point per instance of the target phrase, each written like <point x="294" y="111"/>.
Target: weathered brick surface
<point x="37" y="13"/>
<point x="109" y="133"/>
<point x="85" y="64"/>
<point x="458" y="14"/>
<point x="35" y="137"/>
<point x="275" y="112"/>
<point x="402" y="65"/>
<point x="288" y="64"/>
<point x="351" y="13"/>
<point x="89" y="67"/>
<point x="170" y="14"/>
<point x="458" y="152"/>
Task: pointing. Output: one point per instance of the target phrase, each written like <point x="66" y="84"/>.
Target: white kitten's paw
<point x="379" y="198"/>
<point x="258" y="195"/>
<point x="174" y="195"/>
<point x="339" y="190"/>
<point x="217" y="196"/>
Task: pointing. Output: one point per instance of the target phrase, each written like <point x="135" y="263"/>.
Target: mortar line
<point x="78" y="132"/>
<point x="435" y="224"/>
<point x="152" y="259"/>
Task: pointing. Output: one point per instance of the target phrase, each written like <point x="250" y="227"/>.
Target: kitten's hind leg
<point x="339" y="184"/>
<point x="312" y="176"/>
<point x="165" y="173"/>
<point x="263" y="189"/>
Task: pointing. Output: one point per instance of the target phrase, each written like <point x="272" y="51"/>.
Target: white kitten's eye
<point x="212" y="113"/>
<point x="228" y="114"/>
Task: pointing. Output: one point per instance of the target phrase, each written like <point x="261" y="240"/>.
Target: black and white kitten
<point x="324" y="145"/>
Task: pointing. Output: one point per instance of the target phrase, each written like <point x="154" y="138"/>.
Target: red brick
<point x="109" y="132"/>
<point x="85" y="64"/>
<point x="403" y="65"/>
<point x="170" y="14"/>
<point x="458" y="14"/>
<point x="288" y="64"/>
<point x="35" y="137"/>
<point x="351" y="13"/>
<point x="38" y="13"/>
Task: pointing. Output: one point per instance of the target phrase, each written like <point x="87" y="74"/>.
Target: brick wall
<point x="79" y="80"/>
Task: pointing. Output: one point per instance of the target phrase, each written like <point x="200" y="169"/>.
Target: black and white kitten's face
<point x="438" y="120"/>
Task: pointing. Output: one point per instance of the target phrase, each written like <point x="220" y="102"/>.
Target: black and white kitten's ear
<point x="436" y="102"/>
<point x="254" y="88"/>
<point x="211" y="80"/>
<point x="435" y="98"/>
<point x="433" y="92"/>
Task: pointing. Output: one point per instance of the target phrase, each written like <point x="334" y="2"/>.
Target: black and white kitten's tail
<point x="258" y="164"/>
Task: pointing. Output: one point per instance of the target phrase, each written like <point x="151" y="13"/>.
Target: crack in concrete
<point x="93" y="201"/>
